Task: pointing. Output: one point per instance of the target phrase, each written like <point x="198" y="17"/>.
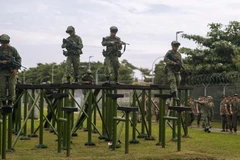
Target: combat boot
<point x="175" y="96"/>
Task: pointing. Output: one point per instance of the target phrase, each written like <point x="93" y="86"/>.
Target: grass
<point x="200" y="146"/>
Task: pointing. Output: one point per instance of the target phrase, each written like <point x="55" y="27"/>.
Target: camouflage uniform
<point x="229" y="114"/>
<point x="173" y="70"/>
<point x="7" y="79"/>
<point x="87" y="79"/>
<point x="204" y="114"/>
<point x="111" y="54"/>
<point x="73" y="54"/>
<point x="223" y="114"/>
<point x="211" y="111"/>
<point x="235" y="109"/>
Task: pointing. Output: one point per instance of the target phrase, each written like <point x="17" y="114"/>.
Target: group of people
<point x="74" y="45"/>
<point x="230" y="112"/>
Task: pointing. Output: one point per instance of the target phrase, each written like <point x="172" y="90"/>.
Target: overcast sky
<point x="37" y="27"/>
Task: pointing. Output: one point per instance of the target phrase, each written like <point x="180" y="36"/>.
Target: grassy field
<point x="200" y="146"/>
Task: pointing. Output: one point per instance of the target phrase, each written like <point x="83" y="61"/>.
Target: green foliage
<point x="160" y="76"/>
<point x="43" y="72"/>
<point x="217" y="52"/>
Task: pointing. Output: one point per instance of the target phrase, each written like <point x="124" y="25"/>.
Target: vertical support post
<point x="25" y="137"/>
<point x="186" y="115"/>
<point x="72" y="105"/>
<point x="160" y="120"/>
<point x="59" y="124"/>
<point x="104" y="132"/>
<point x="143" y="134"/>
<point x="134" y="120"/>
<point x="68" y="136"/>
<point x="41" y="106"/>
<point x="4" y="128"/>
<point x="18" y="118"/>
<point x="32" y="115"/>
<point x="127" y="133"/>
<point x="1" y="136"/>
<point x="10" y="149"/>
<point x="89" y="120"/>
<point x="179" y="132"/>
<point x="109" y="116"/>
<point x="174" y="138"/>
<point x="149" y="137"/>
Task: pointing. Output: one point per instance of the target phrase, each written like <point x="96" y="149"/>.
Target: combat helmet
<point x="70" y="29"/>
<point x="175" y="43"/>
<point x="4" y="38"/>
<point x="89" y="71"/>
<point x="113" y="29"/>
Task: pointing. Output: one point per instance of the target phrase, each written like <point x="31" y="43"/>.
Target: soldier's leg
<point x="229" y="122"/>
<point x="107" y="69"/>
<point x="223" y="122"/>
<point x="11" y="89"/>
<point x="199" y="117"/>
<point x="172" y="79"/>
<point x="3" y="91"/>
<point x="178" y="78"/>
<point x="76" y="65"/>
<point x="68" y="68"/>
<point x="115" y="64"/>
<point x="234" y="122"/>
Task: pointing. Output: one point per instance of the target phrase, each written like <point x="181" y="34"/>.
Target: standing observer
<point x="74" y="46"/>
<point x="112" y="53"/>
<point x="10" y="62"/>
<point x="173" y="60"/>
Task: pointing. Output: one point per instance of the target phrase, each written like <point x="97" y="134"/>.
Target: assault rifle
<point x="71" y="44"/>
<point x="170" y="56"/>
<point x="124" y="43"/>
<point x="11" y="61"/>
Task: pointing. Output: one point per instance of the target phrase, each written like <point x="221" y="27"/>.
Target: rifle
<point x="71" y="44"/>
<point x="170" y="56"/>
<point x="11" y="60"/>
<point x="124" y="43"/>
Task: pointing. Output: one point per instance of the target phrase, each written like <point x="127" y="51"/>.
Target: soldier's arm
<point x="167" y="60"/>
<point x="225" y="107"/>
<point x="17" y="57"/>
<point x="106" y="41"/>
<point x="79" y="42"/>
<point x="120" y="45"/>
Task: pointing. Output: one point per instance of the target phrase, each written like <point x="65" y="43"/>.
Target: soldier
<point x="74" y="46"/>
<point x="191" y="114"/>
<point x="204" y="113"/>
<point x="10" y="62"/>
<point x="211" y="110"/>
<point x="223" y="114"/>
<point x="112" y="53"/>
<point x="235" y="109"/>
<point x="173" y="68"/>
<point x="229" y="113"/>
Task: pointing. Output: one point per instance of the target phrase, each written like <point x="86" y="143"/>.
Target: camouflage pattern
<point x="173" y="71"/>
<point x="87" y="79"/>
<point x="73" y="55"/>
<point x="204" y="114"/>
<point x="7" y="79"/>
<point x="229" y="114"/>
<point x="223" y="114"/>
<point x="111" y="54"/>
<point x="235" y="109"/>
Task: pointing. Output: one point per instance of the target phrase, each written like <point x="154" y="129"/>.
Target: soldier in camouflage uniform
<point x="112" y="53"/>
<point x="74" y="50"/>
<point x="173" y="68"/>
<point x="10" y="62"/>
<point x="204" y="113"/>
<point x="235" y="106"/>
<point x="223" y="114"/>
<point x="229" y="113"/>
<point x="211" y="110"/>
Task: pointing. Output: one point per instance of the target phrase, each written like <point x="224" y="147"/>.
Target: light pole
<point x="89" y="62"/>
<point x="53" y="72"/>
<point x="96" y="74"/>
<point x="43" y="78"/>
<point x="152" y="67"/>
<point x="178" y="32"/>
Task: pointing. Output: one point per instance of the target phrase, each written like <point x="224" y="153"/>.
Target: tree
<point x="217" y="52"/>
<point x="160" y="76"/>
